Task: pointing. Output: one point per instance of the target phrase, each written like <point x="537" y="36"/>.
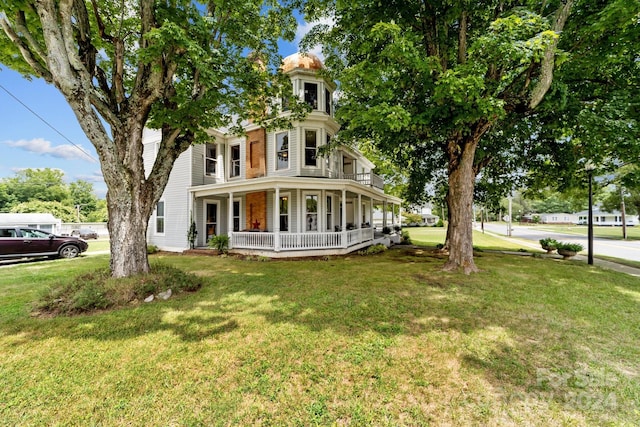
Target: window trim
<point x="313" y="103"/>
<point x="277" y="152"/>
<point x="288" y="214"/>
<point x="233" y="219"/>
<point x="157" y="217"/>
<point x="306" y="213"/>
<point x="316" y="132"/>
<point x="232" y="161"/>
<point x="207" y="202"/>
<point x="214" y="159"/>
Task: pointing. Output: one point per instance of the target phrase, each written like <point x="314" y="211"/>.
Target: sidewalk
<point x="609" y="265"/>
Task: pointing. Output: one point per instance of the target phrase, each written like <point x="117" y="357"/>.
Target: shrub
<point x="440" y="223"/>
<point x="219" y="242"/>
<point x="152" y="249"/>
<point x="406" y="239"/>
<point x="99" y="291"/>
<point x="372" y="250"/>
<point x="386" y="230"/>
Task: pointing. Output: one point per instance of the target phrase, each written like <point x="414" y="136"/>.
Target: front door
<point x="211" y="224"/>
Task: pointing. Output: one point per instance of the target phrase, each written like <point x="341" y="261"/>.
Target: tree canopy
<point x="181" y="66"/>
<point x="44" y="190"/>
<point x="428" y="81"/>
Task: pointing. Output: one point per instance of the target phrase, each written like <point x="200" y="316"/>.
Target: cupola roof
<point x="306" y="61"/>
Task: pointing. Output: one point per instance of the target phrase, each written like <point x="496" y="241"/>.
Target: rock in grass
<point x="149" y="298"/>
<point x="165" y="295"/>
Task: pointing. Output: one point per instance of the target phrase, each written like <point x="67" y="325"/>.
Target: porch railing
<point x="300" y="241"/>
<point x="252" y="240"/>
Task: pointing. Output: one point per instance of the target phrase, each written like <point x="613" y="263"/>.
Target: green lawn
<point x="633" y="233"/>
<point x="432" y="236"/>
<point x="381" y="340"/>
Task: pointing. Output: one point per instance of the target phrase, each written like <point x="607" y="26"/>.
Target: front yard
<point x="380" y="340"/>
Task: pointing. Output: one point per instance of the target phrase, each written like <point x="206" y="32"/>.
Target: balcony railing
<point x="370" y="179"/>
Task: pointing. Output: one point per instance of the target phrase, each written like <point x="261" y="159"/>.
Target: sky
<point x="26" y="141"/>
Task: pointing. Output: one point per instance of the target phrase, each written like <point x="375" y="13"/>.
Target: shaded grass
<point x="382" y="340"/>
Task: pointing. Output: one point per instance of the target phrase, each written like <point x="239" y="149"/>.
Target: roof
<point x="28" y="218"/>
<point x="306" y="61"/>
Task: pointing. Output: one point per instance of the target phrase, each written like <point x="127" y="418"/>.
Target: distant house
<point x="42" y="221"/>
<point x="273" y="192"/>
<point x="425" y="211"/>
<point x="601" y="217"/>
<point x="558" y="218"/>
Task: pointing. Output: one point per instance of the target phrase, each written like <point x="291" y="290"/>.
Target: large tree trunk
<point x="128" y="233"/>
<point x="462" y="174"/>
<point x="131" y="200"/>
<point x="460" y="202"/>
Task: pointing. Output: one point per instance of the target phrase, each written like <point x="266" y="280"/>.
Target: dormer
<point x="308" y="84"/>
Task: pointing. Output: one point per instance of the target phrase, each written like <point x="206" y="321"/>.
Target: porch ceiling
<point x="291" y="183"/>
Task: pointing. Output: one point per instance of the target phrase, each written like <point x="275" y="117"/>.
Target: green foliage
<point x="98" y="291"/>
<point x="572" y="247"/>
<point x="219" y="242"/>
<point x="65" y="212"/>
<point x="549" y="244"/>
<point x="440" y="223"/>
<point x="412" y="218"/>
<point x="44" y="191"/>
<point x="406" y="238"/>
<point x="373" y="249"/>
<point x="152" y="249"/>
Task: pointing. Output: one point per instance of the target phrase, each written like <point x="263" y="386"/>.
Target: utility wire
<point x="49" y="124"/>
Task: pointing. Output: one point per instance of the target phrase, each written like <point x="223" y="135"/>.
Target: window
<point x="311" y="212"/>
<point x="236" y="215"/>
<point x="235" y="160"/>
<point x="328" y="156"/>
<point x="282" y="150"/>
<point x="284" y="213"/>
<point x="327" y="102"/>
<point x="210" y="160"/>
<point x="311" y="95"/>
<point x="310" y="148"/>
<point x="212" y="220"/>
<point x="329" y="213"/>
<point x="160" y="217"/>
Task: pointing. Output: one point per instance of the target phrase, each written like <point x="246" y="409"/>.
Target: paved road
<point x="614" y="248"/>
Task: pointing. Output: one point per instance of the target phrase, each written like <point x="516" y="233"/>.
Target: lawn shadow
<point x="506" y="322"/>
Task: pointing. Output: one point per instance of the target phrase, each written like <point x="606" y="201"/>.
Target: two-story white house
<point x="270" y="191"/>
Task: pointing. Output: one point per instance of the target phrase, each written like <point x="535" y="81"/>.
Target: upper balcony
<point x="370" y="179"/>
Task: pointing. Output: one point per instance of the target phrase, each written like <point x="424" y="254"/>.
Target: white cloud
<point x="305" y="27"/>
<point x="95" y="177"/>
<point x="44" y="147"/>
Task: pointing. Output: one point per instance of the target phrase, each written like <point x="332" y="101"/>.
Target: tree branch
<point x="548" y="61"/>
<point x="38" y="68"/>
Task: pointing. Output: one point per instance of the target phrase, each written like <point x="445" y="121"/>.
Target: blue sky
<point x="27" y="142"/>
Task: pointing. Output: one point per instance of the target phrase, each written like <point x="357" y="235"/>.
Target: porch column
<point x="230" y="220"/>
<point x="276" y="221"/>
<point x="384" y="214"/>
<point x="359" y="221"/>
<point x="371" y="212"/>
<point x="343" y="219"/>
